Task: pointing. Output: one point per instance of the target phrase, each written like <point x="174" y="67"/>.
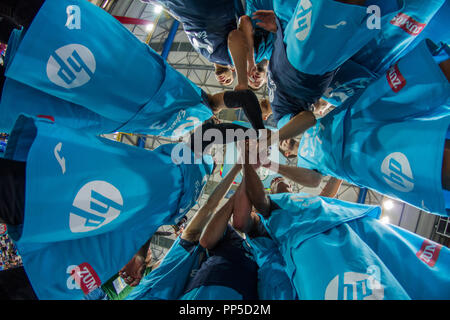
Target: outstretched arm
<point x="195" y="227"/>
<point x="297" y="125"/>
<point x="331" y="188"/>
<point x="306" y="177"/>
<point x="216" y="227"/>
<point x="245" y="25"/>
<point x="239" y="49"/>
<point x="255" y="191"/>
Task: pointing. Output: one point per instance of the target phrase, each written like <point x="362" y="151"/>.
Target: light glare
<point x="388" y="204"/>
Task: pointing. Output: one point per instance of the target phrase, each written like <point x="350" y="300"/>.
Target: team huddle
<point x="359" y="91"/>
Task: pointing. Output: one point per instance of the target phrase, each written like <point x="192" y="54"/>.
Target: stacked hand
<point x="268" y="20"/>
<point x="133" y="271"/>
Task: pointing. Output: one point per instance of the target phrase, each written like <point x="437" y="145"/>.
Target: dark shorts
<point x="12" y="191"/>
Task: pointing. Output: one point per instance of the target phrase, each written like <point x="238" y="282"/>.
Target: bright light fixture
<point x="385" y="220"/>
<point x="149" y="27"/>
<point x="157" y="9"/>
<point x="388" y="204"/>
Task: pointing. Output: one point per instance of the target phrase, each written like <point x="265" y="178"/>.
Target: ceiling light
<point x="388" y="204"/>
<point x="149" y="27"/>
<point x="157" y="9"/>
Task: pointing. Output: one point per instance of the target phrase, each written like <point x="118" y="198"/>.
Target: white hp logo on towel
<point x="302" y="21"/>
<point x="95" y="205"/>
<point x="396" y="171"/>
<point x="354" y="286"/>
<point x="71" y="66"/>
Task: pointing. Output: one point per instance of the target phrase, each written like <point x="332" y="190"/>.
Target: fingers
<point x="263" y="13"/>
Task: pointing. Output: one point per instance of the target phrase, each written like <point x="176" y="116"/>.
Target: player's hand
<point x="268" y="20"/>
<point x="133" y="271"/>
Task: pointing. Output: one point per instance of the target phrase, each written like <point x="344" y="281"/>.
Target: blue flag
<point x="88" y="207"/>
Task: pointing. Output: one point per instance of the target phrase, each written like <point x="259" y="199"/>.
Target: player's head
<point x="224" y="75"/>
<point x="258" y="77"/>
<point x="280" y="185"/>
<point x="289" y="147"/>
<point x="266" y="108"/>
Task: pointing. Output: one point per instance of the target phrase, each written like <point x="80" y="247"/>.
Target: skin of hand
<point x="268" y="20"/>
<point x="132" y="272"/>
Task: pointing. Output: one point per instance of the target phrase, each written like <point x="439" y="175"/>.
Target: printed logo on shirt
<point x="302" y="21"/>
<point x="310" y="141"/>
<point x="271" y="86"/>
<point x="95" y="205"/>
<point x="396" y="171"/>
<point x="200" y="41"/>
<point x="395" y="79"/>
<point x="354" y="286"/>
<point x="429" y="252"/>
<point x="83" y="277"/>
<point x="73" y="17"/>
<point x="408" y="24"/>
<point x="71" y="66"/>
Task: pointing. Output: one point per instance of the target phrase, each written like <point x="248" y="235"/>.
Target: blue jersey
<point x="291" y="91"/>
<point x="263" y="40"/>
<point x="230" y="265"/>
<point x="347" y="81"/>
<point x="418" y="264"/>
<point x="207" y="25"/>
<point x="363" y="141"/>
<point x="101" y="205"/>
<point x="323" y="34"/>
<point x="167" y="282"/>
<point x="273" y="281"/>
<point x="78" y="64"/>
<point x="351" y="254"/>
<point x="402" y="22"/>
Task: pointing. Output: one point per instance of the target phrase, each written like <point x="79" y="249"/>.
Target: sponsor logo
<point x="271" y="86"/>
<point x="61" y="160"/>
<point x="71" y="66"/>
<point x="83" y="277"/>
<point x="396" y="171"/>
<point x="355" y="286"/>
<point x="429" y="252"/>
<point x="408" y="24"/>
<point x="302" y="21"/>
<point x="200" y="41"/>
<point x="395" y="79"/>
<point x="95" y="205"/>
<point x="3" y="229"/>
<point x="73" y="17"/>
<point x="51" y="118"/>
<point x="335" y="26"/>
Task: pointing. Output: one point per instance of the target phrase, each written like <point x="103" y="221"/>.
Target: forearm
<point x="331" y="188"/>
<point x="193" y="230"/>
<point x="216" y="227"/>
<point x="239" y="51"/>
<point x="144" y="249"/>
<point x="255" y="190"/>
<point x="297" y="125"/>
<point x="305" y="177"/>
<point x="245" y="25"/>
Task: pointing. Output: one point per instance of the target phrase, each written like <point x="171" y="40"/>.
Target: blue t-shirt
<point x="292" y="91"/>
<point x="230" y="264"/>
<point x="207" y="25"/>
